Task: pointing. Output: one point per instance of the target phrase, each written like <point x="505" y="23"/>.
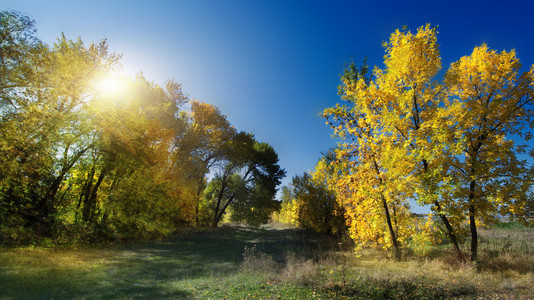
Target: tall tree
<point x="201" y="148"/>
<point x="18" y="45"/>
<point x="368" y="185"/>
<point x="44" y="128"/>
<point x="398" y="109"/>
<point x="132" y="159"/>
<point x="490" y="100"/>
<point x="262" y="175"/>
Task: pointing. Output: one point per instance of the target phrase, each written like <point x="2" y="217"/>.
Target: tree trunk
<point x="221" y="212"/>
<point x="86" y="191"/>
<point x="46" y="203"/>
<point x="388" y="216"/>
<point x="450" y="231"/>
<point x="216" y="220"/>
<point x="197" y="204"/>
<point x="391" y="231"/>
<point x="445" y="220"/>
<point x="91" y="202"/>
<point x="216" y="217"/>
<point x="472" y="222"/>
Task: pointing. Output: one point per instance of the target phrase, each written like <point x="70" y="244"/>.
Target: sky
<point x="273" y="66"/>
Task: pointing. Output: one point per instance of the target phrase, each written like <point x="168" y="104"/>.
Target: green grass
<point x="245" y="263"/>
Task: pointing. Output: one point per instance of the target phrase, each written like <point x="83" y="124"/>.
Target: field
<point x="267" y="263"/>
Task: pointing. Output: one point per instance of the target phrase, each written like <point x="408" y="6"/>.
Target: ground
<point x="237" y="262"/>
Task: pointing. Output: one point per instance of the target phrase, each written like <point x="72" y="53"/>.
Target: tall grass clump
<point x="255" y="261"/>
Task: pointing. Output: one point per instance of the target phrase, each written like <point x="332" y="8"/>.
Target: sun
<point x="111" y="85"/>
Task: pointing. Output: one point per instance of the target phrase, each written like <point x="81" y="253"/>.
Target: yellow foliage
<point x="288" y="214"/>
<point x="386" y="120"/>
<point x="407" y="135"/>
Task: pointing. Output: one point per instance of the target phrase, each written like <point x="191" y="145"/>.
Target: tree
<point x="367" y="188"/>
<point x="75" y="157"/>
<point x="396" y="113"/>
<point x="17" y="48"/>
<point x="317" y="205"/>
<point x="200" y="149"/>
<point x="44" y="128"/>
<point x="262" y="175"/>
<point x="17" y="44"/>
<point x="256" y="164"/>
<point x="448" y="141"/>
<point x="77" y="161"/>
<point x="490" y="101"/>
<point x="288" y="213"/>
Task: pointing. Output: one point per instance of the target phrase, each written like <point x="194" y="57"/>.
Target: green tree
<point x="257" y="166"/>
<point x="200" y="149"/>
<point x="73" y="154"/>
<point x="81" y="159"/>
<point x="44" y="128"/>
<point x="262" y="175"/>
<point x="132" y="160"/>
<point x="18" y="45"/>
<point x="287" y="193"/>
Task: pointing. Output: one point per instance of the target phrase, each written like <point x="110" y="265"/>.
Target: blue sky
<point x="272" y="66"/>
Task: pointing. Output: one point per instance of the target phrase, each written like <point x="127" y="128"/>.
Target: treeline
<point x="455" y="142"/>
<point x="88" y="155"/>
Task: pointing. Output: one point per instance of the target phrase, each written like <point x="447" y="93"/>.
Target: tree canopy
<point x="87" y="153"/>
<point x="408" y="134"/>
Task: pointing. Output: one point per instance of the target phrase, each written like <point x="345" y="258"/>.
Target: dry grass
<point x="372" y="276"/>
<point x="505" y="271"/>
<point x="242" y="263"/>
<point x="507" y="249"/>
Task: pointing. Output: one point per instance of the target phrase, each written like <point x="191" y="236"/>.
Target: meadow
<point x="271" y="262"/>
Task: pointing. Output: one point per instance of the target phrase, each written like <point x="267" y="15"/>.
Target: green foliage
<point x="89" y="154"/>
<point x="18" y="47"/>
<point x="45" y="129"/>
<point x="256" y="209"/>
<point x="246" y="182"/>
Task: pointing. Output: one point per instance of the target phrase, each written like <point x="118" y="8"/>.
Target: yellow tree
<point x="402" y="108"/>
<point x="412" y="108"/>
<point x="490" y="100"/>
<point x="370" y="192"/>
<point x="374" y="201"/>
<point x="288" y="213"/>
<point x="315" y="200"/>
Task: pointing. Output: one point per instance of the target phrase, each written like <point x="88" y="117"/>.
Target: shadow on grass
<point x="161" y="269"/>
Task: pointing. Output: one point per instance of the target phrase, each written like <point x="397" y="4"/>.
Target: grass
<point x="507" y="247"/>
<point x="265" y="263"/>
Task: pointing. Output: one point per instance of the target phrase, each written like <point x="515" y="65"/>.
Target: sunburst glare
<point x="111" y="85"/>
